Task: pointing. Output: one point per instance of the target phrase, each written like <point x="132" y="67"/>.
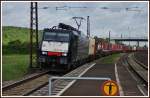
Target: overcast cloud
<point x="113" y="17"/>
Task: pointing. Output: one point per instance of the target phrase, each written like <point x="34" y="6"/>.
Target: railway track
<point x="141" y="57"/>
<point x="137" y="72"/>
<point x="137" y="76"/>
<point x="139" y="62"/>
<point x="26" y="86"/>
<point x="59" y="86"/>
<point x="30" y="86"/>
<point x="139" y="69"/>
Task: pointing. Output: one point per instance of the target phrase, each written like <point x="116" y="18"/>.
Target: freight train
<point x="65" y="48"/>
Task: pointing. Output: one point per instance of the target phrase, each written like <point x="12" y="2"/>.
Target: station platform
<point x="93" y="88"/>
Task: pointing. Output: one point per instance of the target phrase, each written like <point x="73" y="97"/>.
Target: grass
<point x="110" y="59"/>
<point x="14" y="66"/>
<point x="16" y="40"/>
<point x="11" y="33"/>
<point x="15" y="59"/>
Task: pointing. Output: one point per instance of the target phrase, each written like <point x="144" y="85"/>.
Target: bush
<point x="16" y="47"/>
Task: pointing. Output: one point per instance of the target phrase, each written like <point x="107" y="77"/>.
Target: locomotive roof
<point x="60" y="30"/>
<point x="64" y="28"/>
<point x="77" y="33"/>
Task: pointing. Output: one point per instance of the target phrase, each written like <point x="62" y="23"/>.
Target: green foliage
<point x="16" y="40"/>
<point x="110" y="59"/>
<point x="11" y="34"/>
<point x="15" y="58"/>
<point x="14" y="66"/>
<point x="16" y="47"/>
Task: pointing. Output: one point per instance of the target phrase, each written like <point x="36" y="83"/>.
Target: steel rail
<point x="136" y="72"/>
<point x="10" y="87"/>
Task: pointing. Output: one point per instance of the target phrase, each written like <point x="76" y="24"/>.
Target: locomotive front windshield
<point x="56" y="36"/>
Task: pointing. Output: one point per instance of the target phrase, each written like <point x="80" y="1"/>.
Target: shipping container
<point x="91" y="46"/>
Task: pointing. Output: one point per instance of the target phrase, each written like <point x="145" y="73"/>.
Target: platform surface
<point x="93" y="88"/>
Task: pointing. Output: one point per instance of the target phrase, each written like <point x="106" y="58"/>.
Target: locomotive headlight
<point x="64" y="54"/>
<point x="44" y="52"/>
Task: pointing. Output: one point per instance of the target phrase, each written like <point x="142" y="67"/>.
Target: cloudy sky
<point x="117" y="17"/>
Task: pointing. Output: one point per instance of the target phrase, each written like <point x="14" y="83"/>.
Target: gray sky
<point x="116" y="18"/>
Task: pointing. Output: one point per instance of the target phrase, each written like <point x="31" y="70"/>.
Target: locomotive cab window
<point x="49" y="36"/>
<point x="63" y="36"/>
<point x="56" y="36"/>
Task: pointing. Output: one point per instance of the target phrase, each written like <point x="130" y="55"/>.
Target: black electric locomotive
<point x="63" y="47"/>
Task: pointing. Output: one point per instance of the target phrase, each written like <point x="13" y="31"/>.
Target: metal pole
<point x="121" y="38"/>
<point x="50" y="86"/>
<point x="137" y="43"/>
<point x="36" y="17"/>
<point x="129" y="36"/>
<point x="31" y="32"/>
<point x="81" y="78"/>
<point x="88" y="26"/>
<point x="109" y="41"/>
